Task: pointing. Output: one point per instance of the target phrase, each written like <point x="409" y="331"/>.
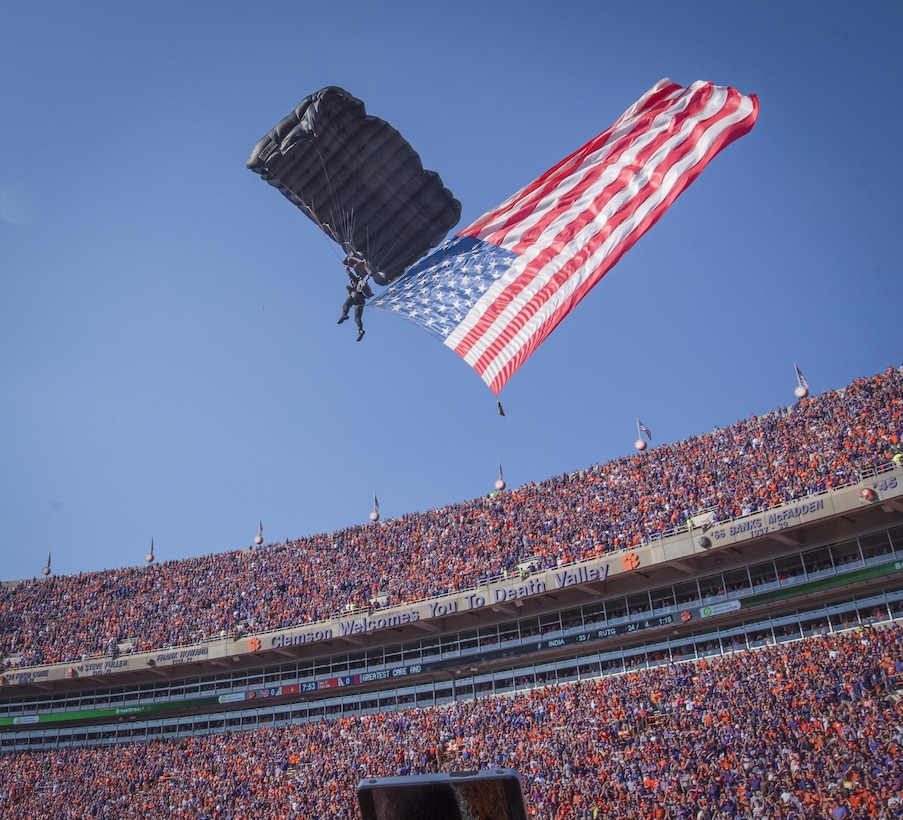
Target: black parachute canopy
<point x="359" y="180"/>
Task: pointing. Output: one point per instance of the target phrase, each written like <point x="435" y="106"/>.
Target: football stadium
<point x="704" y="629"/>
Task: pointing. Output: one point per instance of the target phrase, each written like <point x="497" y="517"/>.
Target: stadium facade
<point x="822" y="563"/>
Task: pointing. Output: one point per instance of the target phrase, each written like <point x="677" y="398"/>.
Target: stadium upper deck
<point x="777" y="483"/>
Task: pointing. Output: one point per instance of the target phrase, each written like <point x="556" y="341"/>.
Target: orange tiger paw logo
<point x="630" y="561"/>
<point x="254" y="644"/>
<point x="686" y="616"/>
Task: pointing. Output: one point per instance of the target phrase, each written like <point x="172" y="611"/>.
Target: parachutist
<point x="358" y="291"/>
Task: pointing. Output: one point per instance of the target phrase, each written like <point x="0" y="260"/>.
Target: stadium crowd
<point x="819" y="443"/>
<point x="809" y="729"/>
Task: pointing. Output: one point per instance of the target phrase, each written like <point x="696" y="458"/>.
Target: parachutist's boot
<point x="360" y="335"/>
<point x="343" y="318"/>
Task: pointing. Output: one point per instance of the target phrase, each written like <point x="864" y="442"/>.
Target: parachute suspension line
<point x="347" y="219"/>
<point x="327" y="230"/>
<point x="342" y="232"/>
<point x="386" y="251"/>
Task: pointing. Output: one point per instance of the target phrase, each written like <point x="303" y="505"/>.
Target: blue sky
<point x="170" y="363"/>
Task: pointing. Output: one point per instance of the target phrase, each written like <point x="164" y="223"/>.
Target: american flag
<point x="801" y="378"/>
<point x="644" y="430"/>
<point x="495" y="291"/>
